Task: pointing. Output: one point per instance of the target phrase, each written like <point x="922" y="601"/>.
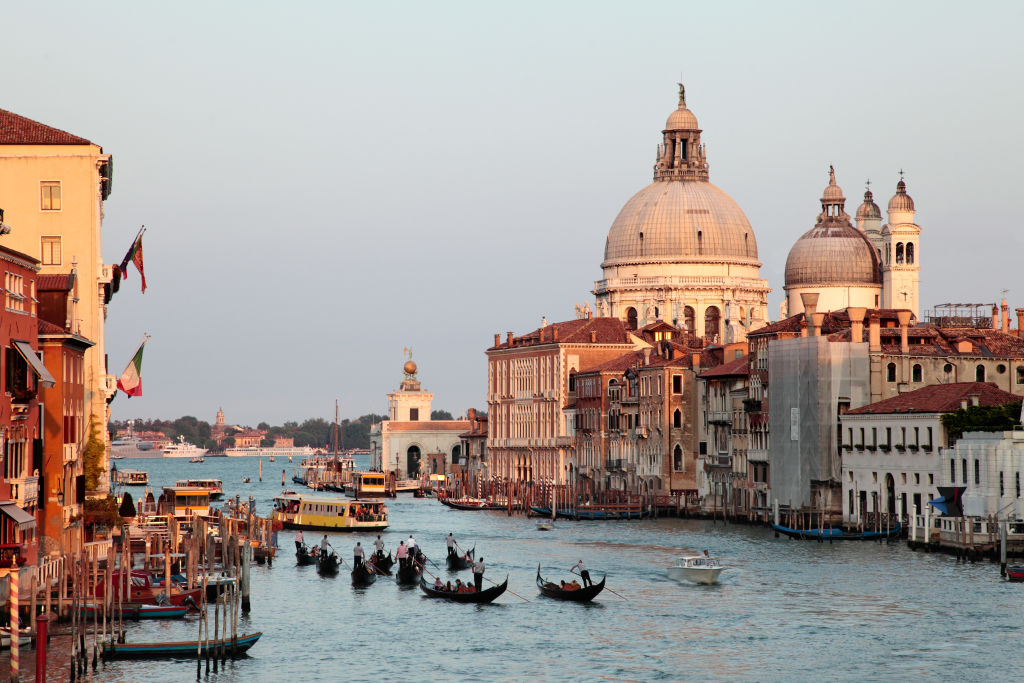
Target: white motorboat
<point x="182" y="449"/>
<point x="696" y="568"/>
<point x="545" y="525"/>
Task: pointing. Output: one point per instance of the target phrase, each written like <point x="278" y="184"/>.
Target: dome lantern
<point x="681" y="156"/>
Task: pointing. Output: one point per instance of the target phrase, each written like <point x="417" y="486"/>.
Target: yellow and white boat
<point x="367" y="485"/>
<point x="296" y="511"/>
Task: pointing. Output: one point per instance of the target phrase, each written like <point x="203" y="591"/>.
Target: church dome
<point x="901" y="201"/>
<point x="868" y="209"/>
<point x="673" y="221"/>
<point x="681" y="119"/>
<point x="833" y="252"/>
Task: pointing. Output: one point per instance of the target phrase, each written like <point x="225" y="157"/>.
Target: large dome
<point x="679" y="221"/>
<point x="832" y="254"/>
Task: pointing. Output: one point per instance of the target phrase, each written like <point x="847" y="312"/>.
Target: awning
<point x="25" y="349"/>
<point x="20" y="517"/>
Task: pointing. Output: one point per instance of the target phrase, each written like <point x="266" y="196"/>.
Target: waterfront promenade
<point x="785" y="610"/>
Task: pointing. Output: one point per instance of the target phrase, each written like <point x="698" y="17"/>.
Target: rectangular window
<point x="677" y="384"/>
<point x="49" y="195"/>
<point x="414" y="414"/>
<point x="51" y="251"/>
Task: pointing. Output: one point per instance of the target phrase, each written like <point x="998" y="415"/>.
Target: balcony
<point x="720" y="417"/>
<point x="25" y="491"/>
<point x="70" y="452"/>
<point x="752" y="405"/>
<point x="615" y="464"/>
<point x="718" y="460"/>
<point x="629" y="400"/>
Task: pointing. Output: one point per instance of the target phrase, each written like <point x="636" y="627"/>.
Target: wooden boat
<point x="409" y="575"/>
<point x="184" y="502"/>
<point x="484" y="596"/>
<point x="1015" y="572"/>
<point x="382" y="564"/>
<point x="24" y="638"/>
<point x="363" y="575"/>
<point x="834" y="534"/>
<point x="303" y="558"/>
<point x="181" y="649"/>
<point x="367" y="485"/>
<point x="470" y="503"/>
<point x="554" y="590"/>
<point x="296" y="511"/>
<point x="137" y="610"/>
<point x="594" y="514"/>
<point x="456" y="562"/>
<point x="143" y="590"/>
<point x="327" y="564"/>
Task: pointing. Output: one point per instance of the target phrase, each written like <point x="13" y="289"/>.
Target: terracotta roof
<point x="18" y="130"/>
<point x="428" y="426"/>
<point x="59" y="282"/>
<point x="833" y="322"/>
<point x="606" y="331"/>
<point x="939" y="398"/>
<point x="49" y="328"/>
<point x="735" y="368"/>
<point x="940" y="342"/>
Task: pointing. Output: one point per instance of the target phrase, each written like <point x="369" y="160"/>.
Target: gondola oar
<point x="507" y="590"/>
<point x="573" y="571"/>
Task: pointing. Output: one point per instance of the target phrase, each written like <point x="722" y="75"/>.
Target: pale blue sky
<point x="326" y="183"/>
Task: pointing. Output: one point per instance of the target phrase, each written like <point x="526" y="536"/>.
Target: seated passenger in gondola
<point x="448" y="587"/>
<point x="438" y="586"/>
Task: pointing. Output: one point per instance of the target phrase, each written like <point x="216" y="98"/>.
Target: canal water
<point x="785" y="610"/>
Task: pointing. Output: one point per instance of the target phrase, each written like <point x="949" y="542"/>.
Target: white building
<point x="989" y="465"/>
<point x="891" y="449"/>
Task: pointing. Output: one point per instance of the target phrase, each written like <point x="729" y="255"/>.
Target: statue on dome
<point x="587" y="312"/>
<point x="682" y="94"/>
<point x="784" y="309"/>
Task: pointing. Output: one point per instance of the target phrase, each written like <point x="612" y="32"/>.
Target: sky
<point x="327" y="183"/>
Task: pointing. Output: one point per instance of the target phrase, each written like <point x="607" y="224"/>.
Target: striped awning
<point x="19" y="516"/>
<point x="25" y="349"/>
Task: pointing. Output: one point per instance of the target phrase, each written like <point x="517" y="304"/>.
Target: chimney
<point x="975" y="400"/>
<point x="554" y="334"/>
<point x="1020" y="319"/>
<point x="856" y="323"/>
<point x="509" y="339"/>
<point x="497" y="339"/>
<point x="995" y="317"/>
<point x="647" y="357"/>
<point x="963" y="404"/>
<point x="904" y="318"/>
<point x="874" y="333"/>
<point x="810" y="301"/>
<point x="816" y="320"/>
<point x="695" y="360"/>
<point x="593" y="336"/>
<point x="542" y="335"/>
<point x="1005" y="326"/>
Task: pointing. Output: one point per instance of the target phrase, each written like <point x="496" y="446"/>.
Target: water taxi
<point x="214" y="486"/>
<point x="697" y="568"/>
<point x="184" y="501"/>
<point x="131" y="477"/>
<point x="296" y="511"/>
<point x="367" y="485"/>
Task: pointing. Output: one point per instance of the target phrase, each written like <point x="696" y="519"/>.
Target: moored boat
<point x="572" y="594"/>
<point x="1015" y="573"/>
<point x="701" y="569"/>
<point x="484" y="596"/>
<point x="184" y="649"/>
<point x="131" y="477"/>
<point x="143" y="590"/>
<point x="836" y="534"/>
<point x="593" y="513"/>
<point x="136" y="610"/>
<point x="470" y="503"/>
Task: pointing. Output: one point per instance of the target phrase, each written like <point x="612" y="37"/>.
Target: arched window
<point x="890" y="372"/>
<point x="910" y="252"/>
<point x="977" y="473"/>
<point x="572" y="381"/>
<point x="690" y="317"/>
<point x="456" y="454"/>
<point x="746" y="244"/>
<point x="899" y="252"/>
<point x="916" y="377"/>
<point x="677" y="458"/>
<point x="677" y="419"/>
<point x="700" y="243"/>
<point x="631" y="318"/>
<point x="979" y="373"/>
<point x="712" y="323"/>
<point x="888" y="253"/>
<point x="412" y="458"/>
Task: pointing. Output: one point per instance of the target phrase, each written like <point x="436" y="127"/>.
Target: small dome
<point x="409" y="367"/>
<point x="868" y="209"/>
<point x="681" y="119"/>
<point x="901" y="201"/>
<point x="833" y="193"/>
<point x="832" y="253"/>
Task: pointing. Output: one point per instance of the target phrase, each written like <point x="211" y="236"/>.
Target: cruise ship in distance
<point x="272" y="451"/>
<point x="182" y="449"/>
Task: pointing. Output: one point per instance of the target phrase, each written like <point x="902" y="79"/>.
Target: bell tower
<point x="901" y="260"/>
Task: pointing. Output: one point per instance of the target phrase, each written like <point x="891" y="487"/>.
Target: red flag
<point x="137" y="260"/>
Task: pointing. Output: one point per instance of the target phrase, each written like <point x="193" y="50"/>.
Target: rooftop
<point x="939" y="398"/>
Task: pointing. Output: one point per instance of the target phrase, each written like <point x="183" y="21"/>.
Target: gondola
<point x="553" y="590"/>
<point x="484" y="596"/>
<point x="302" y="556"/>
<point x="182" y="649"/>
<point x="835" y="534"/>
<point x="383" y="564"/>
<point x="363" y="575"/>
<point x="409" y="575"/>
<point x="456" y="562"/>
<point x="327" y="564"/>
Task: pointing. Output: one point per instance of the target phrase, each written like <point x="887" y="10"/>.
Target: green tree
<point x="440" y="415"/>
<point x="981" y="419"/>
<point x="93" y="456"/>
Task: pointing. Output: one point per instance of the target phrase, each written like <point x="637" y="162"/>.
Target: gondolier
<point x="584" y="574"/>
<point x="411" y="543"/>
<point x="451" y="543"/>
<point x="478" y="574"/>
<point x="379" y="545"/>
<point x="357" y="554"/>
<point x="299" y="540"/>
<point x="402" y="553"/>
<point x="323" y="545"/>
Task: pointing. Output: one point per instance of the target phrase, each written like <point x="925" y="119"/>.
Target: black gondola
<point x="383" y="564"/>
<point x="327" y="564"/>
<point x="363" y="575"/>
<point x="456" y="562"/>
<point x="410" y="574"/>
<point x="487" y="595"/>
<point x="302" y="556"/>
<point x="584" y="594"/>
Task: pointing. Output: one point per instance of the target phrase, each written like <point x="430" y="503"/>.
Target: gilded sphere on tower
<point x="409" y="367"/>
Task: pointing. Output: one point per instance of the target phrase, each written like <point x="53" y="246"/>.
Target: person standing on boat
<point x="402" y="553"/>
<point x="478" y="574"/>
<point x="357" y="555"/>
<point x="411" y="544"/>
<point x="584" y="574"/>
<point x="323" y="546"/>
<point x="299" y="540"/>
<point x="451" y="544"/>
<point x="379" y="547"/>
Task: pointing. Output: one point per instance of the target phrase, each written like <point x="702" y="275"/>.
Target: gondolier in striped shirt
<point x="478" y="574"/>
<point x="584" y="574"/>
<point x="402" y="553"/>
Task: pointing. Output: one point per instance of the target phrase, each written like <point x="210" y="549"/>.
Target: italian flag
<point x="130" y="381"/>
